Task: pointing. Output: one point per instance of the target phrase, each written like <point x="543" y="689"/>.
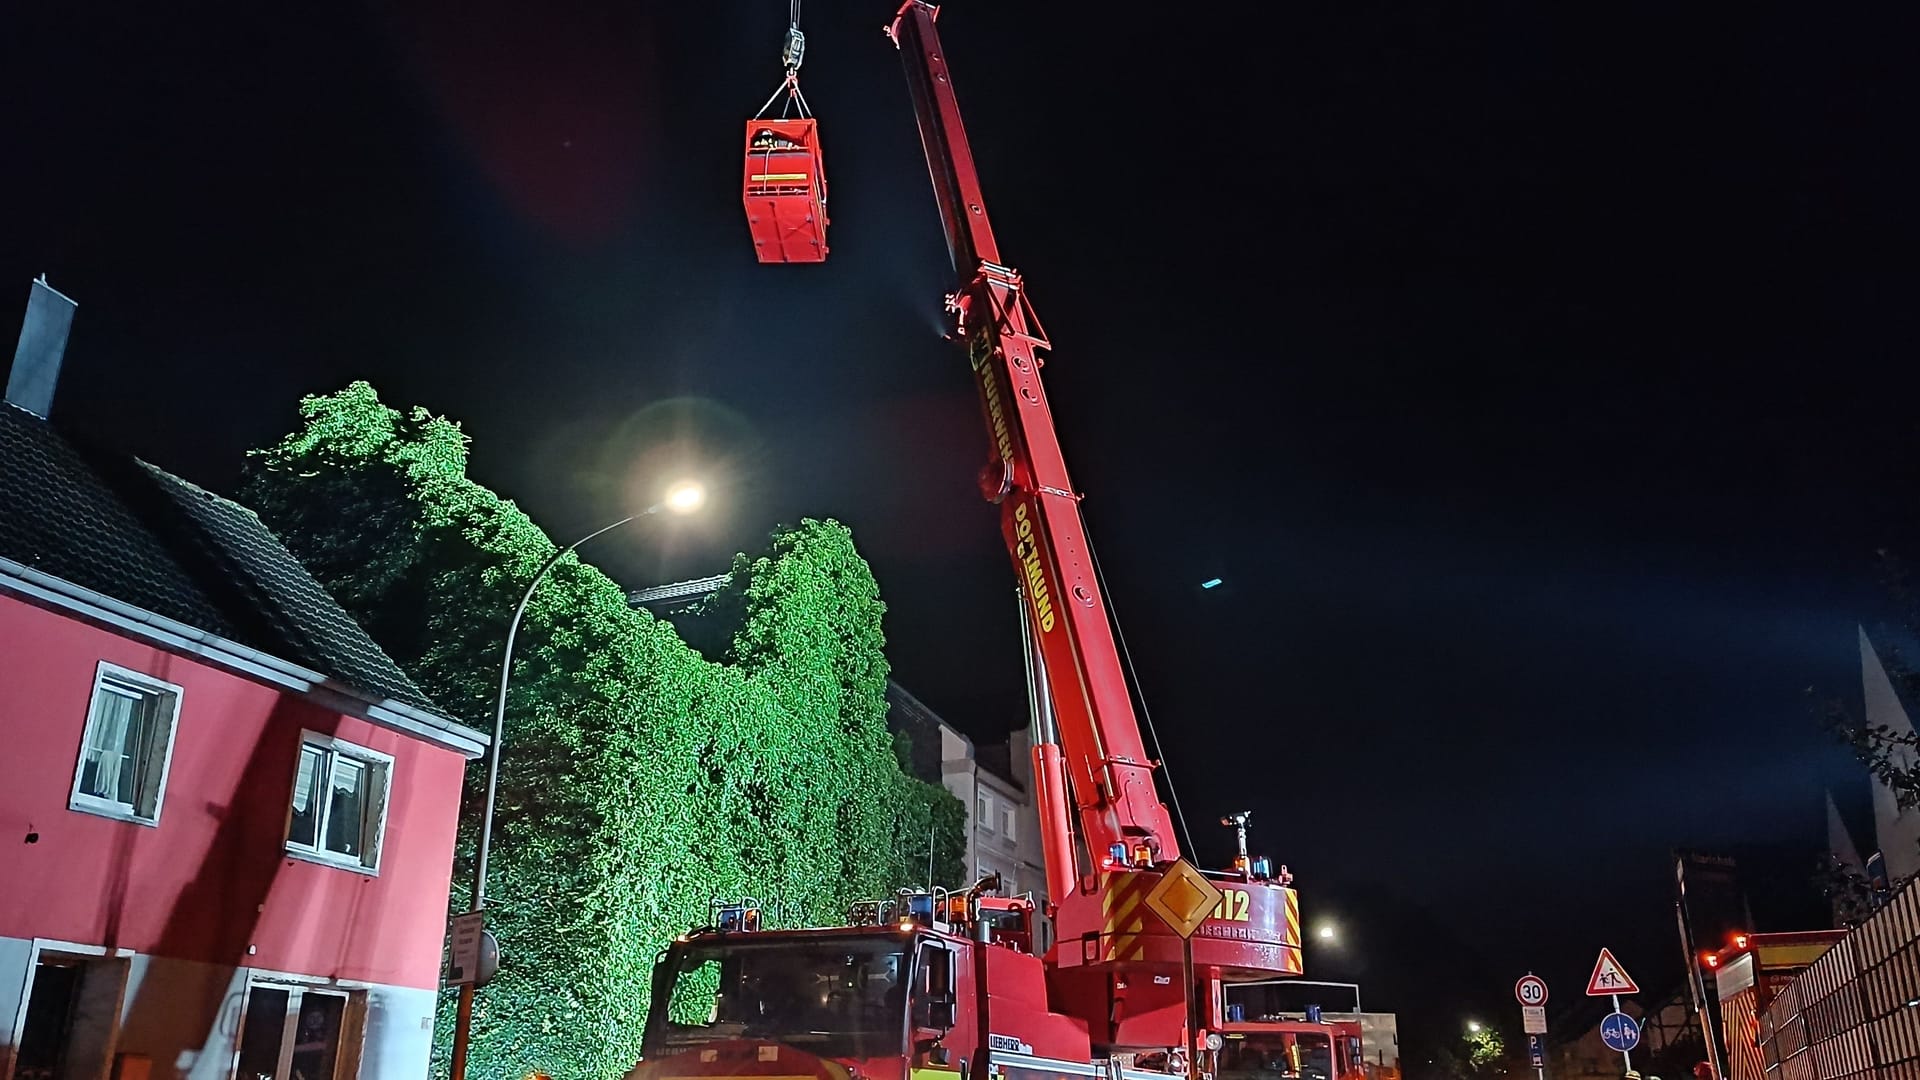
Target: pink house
<point x="226" y="817"/>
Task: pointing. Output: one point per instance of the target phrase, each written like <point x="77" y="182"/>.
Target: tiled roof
<point x="125" y="529"/>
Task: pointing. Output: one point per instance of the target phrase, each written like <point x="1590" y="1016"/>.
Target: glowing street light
<point x="1326" y="932"/>
<point x="1473" y="1027"/>
<point x="685" y="497"/>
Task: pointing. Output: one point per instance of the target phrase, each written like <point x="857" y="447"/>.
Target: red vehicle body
<point x="1277" y="1048"/>
<point x="933" y="985"/>
<point x="1748" y="975"/>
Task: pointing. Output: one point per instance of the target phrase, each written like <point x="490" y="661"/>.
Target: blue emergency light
<point x="920" y="908"/>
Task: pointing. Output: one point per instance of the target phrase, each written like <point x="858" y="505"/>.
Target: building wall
<point x="211" y="886"/>
<point x="959" y="773"/>
<point x="1028" y="850"/>
<point x="994" y="850"/>
<point x="185" y="1017"/>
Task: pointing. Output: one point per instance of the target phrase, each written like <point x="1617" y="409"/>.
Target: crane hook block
<point x="785" y="191"/>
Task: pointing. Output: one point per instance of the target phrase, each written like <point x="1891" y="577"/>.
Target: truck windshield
<point x="1280" y="1056"/>
<point x="844" y="999"/>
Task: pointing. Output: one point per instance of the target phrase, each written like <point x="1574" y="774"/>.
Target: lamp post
<point x="682" y="498"/>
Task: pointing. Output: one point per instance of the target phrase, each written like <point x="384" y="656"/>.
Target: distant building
<point x="228" y="818"/>
<point x="993" y="782"/>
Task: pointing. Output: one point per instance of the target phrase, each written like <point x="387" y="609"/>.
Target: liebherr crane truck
<point x="951" y="985"/>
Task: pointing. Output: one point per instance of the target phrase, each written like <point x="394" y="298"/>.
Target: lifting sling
<point x="784" y="188"/>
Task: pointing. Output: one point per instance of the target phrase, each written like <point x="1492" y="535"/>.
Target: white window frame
<point x="379" y="768"/>
<point x="347" y="1059"/>
<point x="984" y="806"/>
<point x="1008" y="815"/>
<point x="113" y="808"/>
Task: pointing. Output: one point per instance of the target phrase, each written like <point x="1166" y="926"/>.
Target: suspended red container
<point x="785" y="191"/>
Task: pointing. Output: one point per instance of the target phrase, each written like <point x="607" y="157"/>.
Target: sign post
<point x="1183" y="899"/>
<point x="463" y="966"/>
<point x="1618" y="1030"/>
<point x="1531" y="993"/>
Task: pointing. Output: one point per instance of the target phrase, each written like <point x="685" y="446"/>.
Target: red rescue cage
<point x="785" y="191"/>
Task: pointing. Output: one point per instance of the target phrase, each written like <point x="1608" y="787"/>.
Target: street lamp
<point x="1473" y="1027"/>
<point x="683" y="497"/>
<point x="1326" y="932"/>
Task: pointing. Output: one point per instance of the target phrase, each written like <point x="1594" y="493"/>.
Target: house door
<point x="49" y="1021"/>
<point x="72" y="1016"/>
<point x="291" y="1033"/>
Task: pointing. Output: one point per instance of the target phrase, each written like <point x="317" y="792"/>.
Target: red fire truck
<point x="927" y="985"/>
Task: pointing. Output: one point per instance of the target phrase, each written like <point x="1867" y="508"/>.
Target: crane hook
<point x="794" y="50"/>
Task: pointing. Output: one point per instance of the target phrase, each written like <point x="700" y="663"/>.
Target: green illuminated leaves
<point x="640" y="779"/>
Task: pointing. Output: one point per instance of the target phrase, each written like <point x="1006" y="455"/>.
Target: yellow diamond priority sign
<point x="1184" y="898"/>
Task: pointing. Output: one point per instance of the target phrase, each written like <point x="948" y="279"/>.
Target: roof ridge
<point x="197" y="488"/>
<point x="304" y="632"/>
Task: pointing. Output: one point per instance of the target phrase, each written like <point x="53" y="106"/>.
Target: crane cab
<point x="785" y="191"/>
<point x="909" y="990"/>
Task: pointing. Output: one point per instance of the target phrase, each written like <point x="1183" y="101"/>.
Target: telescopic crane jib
<point x="1124" y="827"/>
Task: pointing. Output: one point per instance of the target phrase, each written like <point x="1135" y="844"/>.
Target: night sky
<point x="1539" y="380"/>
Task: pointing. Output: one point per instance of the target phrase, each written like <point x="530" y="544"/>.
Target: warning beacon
<point x="785" y="186"/>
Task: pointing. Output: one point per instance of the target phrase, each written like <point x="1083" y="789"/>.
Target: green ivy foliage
<point x="640" y="779"/>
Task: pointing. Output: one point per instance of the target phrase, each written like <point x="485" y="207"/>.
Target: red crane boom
<point x="1108" y="771"/>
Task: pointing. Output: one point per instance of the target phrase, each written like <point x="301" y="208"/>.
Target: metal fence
<point x="1855" y="1013"/>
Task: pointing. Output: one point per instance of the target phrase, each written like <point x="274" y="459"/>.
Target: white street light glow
<point x="685" y="497"/>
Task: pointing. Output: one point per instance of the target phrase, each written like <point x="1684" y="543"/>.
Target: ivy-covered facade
<point x="640" y="778"/>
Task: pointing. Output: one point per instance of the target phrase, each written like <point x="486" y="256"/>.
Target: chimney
<point x="43" y="343"/>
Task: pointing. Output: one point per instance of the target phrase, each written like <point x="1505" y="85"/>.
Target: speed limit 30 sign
<point x="1531" y="990"/>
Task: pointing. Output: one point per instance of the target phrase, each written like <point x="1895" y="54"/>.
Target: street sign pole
<point x="1619" y="1031"/>
<point x="1193" y="1009"/>
<point x="1183" y="899"/>
<point x="1626" y="1056"/>
<point x="1531" y="992"/>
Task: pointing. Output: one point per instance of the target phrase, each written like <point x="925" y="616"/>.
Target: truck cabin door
<point x="941" y="1014"/>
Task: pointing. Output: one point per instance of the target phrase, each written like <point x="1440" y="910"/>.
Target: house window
<point x="293" y="1031"/>
<point x="985" y="815"/>
<point x="339" y="802"/>
<point x="127" y="746"/>
<point x="1006" y="822"/>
